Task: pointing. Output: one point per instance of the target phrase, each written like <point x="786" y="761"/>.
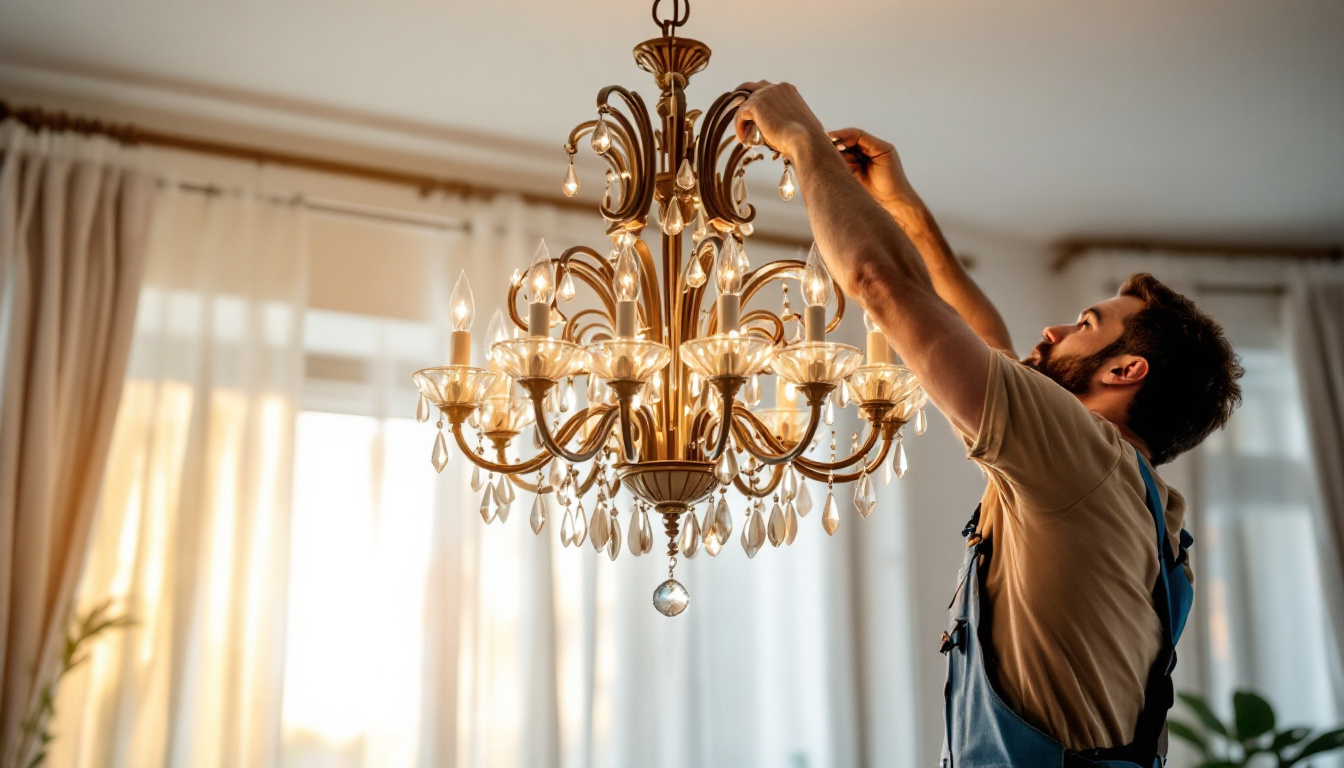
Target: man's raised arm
<point x="872" y="259"/>
<point x="877" y="166"/>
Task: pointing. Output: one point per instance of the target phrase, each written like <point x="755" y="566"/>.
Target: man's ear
<point x="1125" y="370"/>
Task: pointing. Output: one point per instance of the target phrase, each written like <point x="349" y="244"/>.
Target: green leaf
<point x="1288" y="738"/>
<point x="1254" y="716"/>
<point x="1184" y="731"/>
<point x="1323" y="743"/>
<point x="1204" y="713"/>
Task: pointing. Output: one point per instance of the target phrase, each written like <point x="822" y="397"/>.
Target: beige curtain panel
<point x="74" y="218"/>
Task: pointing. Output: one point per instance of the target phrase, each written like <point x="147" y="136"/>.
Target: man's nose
<point x="1055" y="333"/>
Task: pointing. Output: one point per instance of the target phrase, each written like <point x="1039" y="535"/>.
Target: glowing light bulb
<point x="729" y="275"/>
<point x="627" y="275"/>
<point x="540" y="280"/>
<point x="817" y="288"/>
<point x="462" y="308"/>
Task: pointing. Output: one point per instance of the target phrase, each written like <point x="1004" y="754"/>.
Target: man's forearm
<point x="949" y="276"/>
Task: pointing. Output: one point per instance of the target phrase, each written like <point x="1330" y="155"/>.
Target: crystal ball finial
<point x="670" y="598"/>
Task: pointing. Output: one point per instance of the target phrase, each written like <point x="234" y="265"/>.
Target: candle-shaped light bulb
<point x="729" y="279"/>
<point x="817" y="287"/>
<point x="729" y="274"/>
<point x="498" y="329"/>
<point x="627" y="274"/>
<point x="540" y="288"/>
<point x="462" y="307"/>
<point x="626" y="279"/>
<point x="817" y="292"/>
<point x="540" y="280"/>
<point x="462" y="310"/>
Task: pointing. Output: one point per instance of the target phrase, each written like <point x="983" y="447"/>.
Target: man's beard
<point x="1072" y="372"/>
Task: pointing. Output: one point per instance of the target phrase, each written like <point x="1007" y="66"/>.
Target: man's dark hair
<point x="1191" y="387"/>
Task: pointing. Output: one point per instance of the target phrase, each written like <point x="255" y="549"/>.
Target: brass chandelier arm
<point x="654" y="450"/>
<point x="813" y="471"/>
<point x="531" y="465"/>
<point x="636" y="206"/>
<point x="622" y="147"/>
<point x="650" y="302"/>
<point x="813" y="422"/>
<point x="750" y="489"/>
<point x="596" y="276"/>
<point x="854" y="458"/>
<point x="715" y="188"/>
<point x="597" y="330"/>
<point x="589" y="449"/>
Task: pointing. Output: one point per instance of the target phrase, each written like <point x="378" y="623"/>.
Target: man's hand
<point x="877" y="166"/>
<point x="785" y="121"/>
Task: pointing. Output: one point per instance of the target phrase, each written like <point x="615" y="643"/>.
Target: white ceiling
<point x="1216" y="120"/>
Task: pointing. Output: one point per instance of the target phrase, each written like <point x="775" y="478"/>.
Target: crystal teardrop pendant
<point x="600" y="527"/>
<point x="886" y="473"/>
<point x="671" y="598"/>
<point x="538" y="518"/>
<point x="753" y="533"/>
<point x="790" y="523"/>
<point x="830" y="515"/>
<point x="502" y="514"/>
<point x="803" y="501"/>
<point x="476" y="481"/>
<point x="568" y="400"/>
<point x="788" y="185"/>
<point x="685" y="176"/>
<point x="423" y="410"/>
<point x="487" y="506"/>
<point x="504" y="491"/>
<point x="566" y="291"/>
<point x="921" y="422"/>
<point x="580" y="525"/>
<point x="601" y="136"/>
<point x="567" y="528"/>
<point x="723" y="521"/>
<point x="559" y="471"/>
<point x="778" y="529"/>
<point x="673" y="222"/>
<point x="695" y="272"/>
<point x="828" y="413"/>
<point x="899" y="462"/>
<point x="788" y="487"/>
<point x="752" y="395"/>
<point x="571" y="185"/>
<point x="865" y="498"/>
<point x="739" y="189"/>
<point x="440" y="455"/>
<point x="633" y="538"/>
<point x="726" y="470"/>
<point x="701" y="230"/>
<point x="614" y="540"/>
<point x="689" y="545"/>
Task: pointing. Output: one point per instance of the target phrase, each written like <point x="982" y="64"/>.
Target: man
<point x="1075" y="587"/>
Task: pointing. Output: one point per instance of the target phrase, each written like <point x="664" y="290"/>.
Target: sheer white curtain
<point x="74" y="213"/>
<point x="192" y="537"/>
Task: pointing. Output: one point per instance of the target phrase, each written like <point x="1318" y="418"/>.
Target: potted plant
<point x="1252" y="732"/>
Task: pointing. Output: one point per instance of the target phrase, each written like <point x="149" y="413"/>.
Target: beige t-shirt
<point x="1074" y="559"/>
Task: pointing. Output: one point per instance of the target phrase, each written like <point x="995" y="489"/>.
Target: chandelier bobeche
<point x="672" y="391"/>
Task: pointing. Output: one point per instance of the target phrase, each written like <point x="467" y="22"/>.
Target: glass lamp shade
<point x="788" y="424"/>
<point x="816" y="362"/>
<point x="454" y="384"/>
<point x="539" y="357"/>
<point x="884" y="382"/>
<point x="504" y="413"/>
<point x="636" y="359"/>
<point x="727" y="354"/>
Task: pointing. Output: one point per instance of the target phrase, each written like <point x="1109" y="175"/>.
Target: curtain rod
<point x="37" y="118"/>
<point x="1070" y="250"/>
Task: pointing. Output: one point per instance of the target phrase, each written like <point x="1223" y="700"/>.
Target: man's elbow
<point x="880" y="280"/>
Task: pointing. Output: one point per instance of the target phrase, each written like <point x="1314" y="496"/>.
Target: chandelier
<point x="672" y="390"/>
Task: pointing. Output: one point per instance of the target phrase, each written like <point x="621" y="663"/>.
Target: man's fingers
<point x="871" y="146"/>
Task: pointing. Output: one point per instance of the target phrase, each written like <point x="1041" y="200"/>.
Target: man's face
<point x="1073" y="355"/>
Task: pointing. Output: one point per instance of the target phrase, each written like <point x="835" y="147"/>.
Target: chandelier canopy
<point x="672" y="390"/>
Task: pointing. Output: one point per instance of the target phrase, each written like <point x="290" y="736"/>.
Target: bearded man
<point x="1076" y="584"/>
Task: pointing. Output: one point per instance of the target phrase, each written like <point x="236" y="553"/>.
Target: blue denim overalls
<point x="982" y="731"/>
